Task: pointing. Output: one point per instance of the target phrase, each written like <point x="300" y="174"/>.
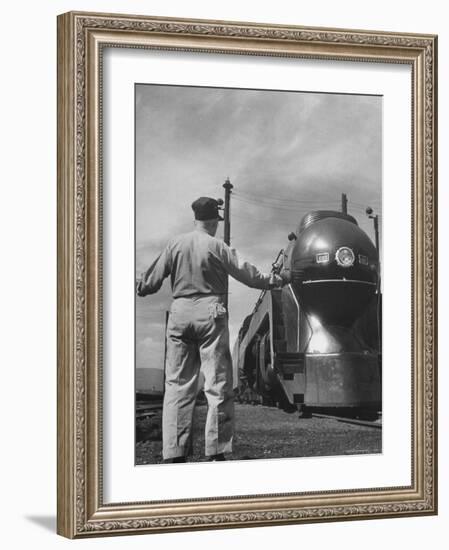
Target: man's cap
<point x="206" y="208"/>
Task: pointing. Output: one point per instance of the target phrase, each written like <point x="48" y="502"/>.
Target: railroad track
<point x="144" y="409"/>
<point x="377" y="424"/>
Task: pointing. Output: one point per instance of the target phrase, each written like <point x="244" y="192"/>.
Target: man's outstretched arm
<point x="246" y="272"/>
<point x="152" y="279"/>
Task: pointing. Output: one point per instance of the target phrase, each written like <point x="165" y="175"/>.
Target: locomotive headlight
<point x="345" y="257"/>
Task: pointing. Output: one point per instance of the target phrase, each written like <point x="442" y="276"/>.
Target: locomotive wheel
<point x="304" y="412"/>
<point x="282" y="402"/>
<point x="289" y="408"/>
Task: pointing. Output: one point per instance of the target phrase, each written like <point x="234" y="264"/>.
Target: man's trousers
<point x="197" y="339"/>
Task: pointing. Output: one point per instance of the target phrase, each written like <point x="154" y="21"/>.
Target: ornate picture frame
<point x="82" y="39"/>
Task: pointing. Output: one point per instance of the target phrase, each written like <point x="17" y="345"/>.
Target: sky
<point x="286" y="153"/>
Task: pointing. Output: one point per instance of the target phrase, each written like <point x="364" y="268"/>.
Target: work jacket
<point x="199" y="264"/>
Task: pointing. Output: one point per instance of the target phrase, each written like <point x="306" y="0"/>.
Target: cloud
<point x="285" y="152"/>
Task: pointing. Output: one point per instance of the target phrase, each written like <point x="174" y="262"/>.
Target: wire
<point x="285" y="203"/>
<point x="357" y="211"/>
<point x="266" y="221"/>
<point x="250" y="196"/>
<point x="291" y="204"/>
<point x="264" y="204"/>
<point x="364" y="205"/>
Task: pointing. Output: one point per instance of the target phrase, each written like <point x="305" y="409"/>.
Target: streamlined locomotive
<point x="315" y="344"/>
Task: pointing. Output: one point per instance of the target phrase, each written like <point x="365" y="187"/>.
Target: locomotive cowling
<point x="316" y="342"/>
<point x="334" y="268"/>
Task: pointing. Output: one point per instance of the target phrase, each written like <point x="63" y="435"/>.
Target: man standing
<point x="197" y="331"/>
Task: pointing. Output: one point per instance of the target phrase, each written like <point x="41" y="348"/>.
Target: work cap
<point x="206" y="208"/>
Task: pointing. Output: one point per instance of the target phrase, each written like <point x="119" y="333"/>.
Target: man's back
<point x="198" y="264"/>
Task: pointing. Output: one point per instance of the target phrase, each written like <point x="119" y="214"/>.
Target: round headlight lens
<point x="345" y="256"/>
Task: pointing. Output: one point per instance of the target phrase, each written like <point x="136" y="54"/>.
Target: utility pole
<point x="227" y="227"/>
<point x="369" y="212"/>
<point x="344" y="203"/>
<point x="376" y="231"/>
<point x="375" y="218"/>
<point x="167" y="315"/>
<point x="227" y="211"/>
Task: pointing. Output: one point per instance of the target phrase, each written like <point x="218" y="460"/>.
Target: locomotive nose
<point x="334" y="270"/>
<point x="336" y="302"/>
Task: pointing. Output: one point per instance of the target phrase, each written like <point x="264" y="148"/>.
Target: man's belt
<point x="200" y="294"/>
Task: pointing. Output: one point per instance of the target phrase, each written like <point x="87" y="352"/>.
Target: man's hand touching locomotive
<point x="197" y="331"/>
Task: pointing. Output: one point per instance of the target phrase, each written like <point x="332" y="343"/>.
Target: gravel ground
<point x="267" y="432"/>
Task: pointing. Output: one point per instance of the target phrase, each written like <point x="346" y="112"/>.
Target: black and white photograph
<point x="246" y="273"/>
<point x="258" y="256"/>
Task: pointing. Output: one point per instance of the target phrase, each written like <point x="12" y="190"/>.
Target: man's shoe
<point x="175" y="460"/>
<point x="216" y="458"/>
